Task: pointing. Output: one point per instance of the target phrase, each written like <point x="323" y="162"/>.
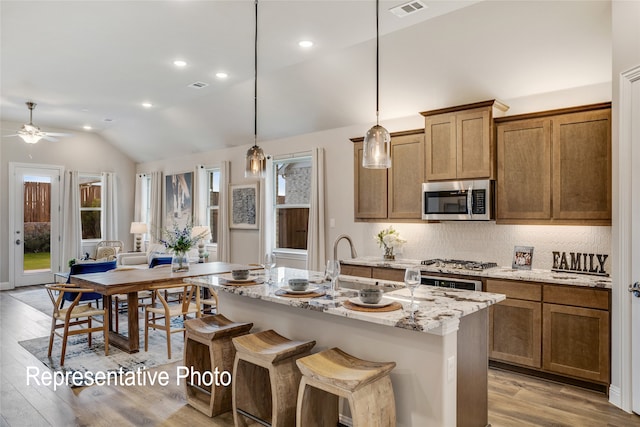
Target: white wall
<point x="84" y="152"/>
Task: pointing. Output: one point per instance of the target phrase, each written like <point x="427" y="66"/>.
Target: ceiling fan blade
<point x="6" y="136"/>
<point x="57" y="134"/>
<point x="50" y="138"/>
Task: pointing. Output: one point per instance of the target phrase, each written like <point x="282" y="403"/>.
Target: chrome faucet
<point x="354" y="254"/>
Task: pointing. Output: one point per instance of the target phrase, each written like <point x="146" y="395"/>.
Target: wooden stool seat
<point x="266" y="378"/>
<point x="331" y="374"/>
<point x="207" y="348"/>
<point x="343" y="370"/>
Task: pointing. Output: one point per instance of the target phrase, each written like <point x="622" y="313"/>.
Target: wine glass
<point x="412" y="280"/>
<point x="268" y="264"/>
<point x="332" y="272"/>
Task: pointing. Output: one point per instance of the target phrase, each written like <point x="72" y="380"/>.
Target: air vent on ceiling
<point x="198" y="85"/>
<point x="408" y="8"/>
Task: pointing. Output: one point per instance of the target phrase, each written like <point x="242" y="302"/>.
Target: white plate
<point x="258" y="280"/>
<point x="310" y="289"/>
<point x="383" y="302"/>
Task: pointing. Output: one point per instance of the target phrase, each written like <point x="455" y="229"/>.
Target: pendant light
<point x="377" y="141"/>
<point x="256" y="160"/>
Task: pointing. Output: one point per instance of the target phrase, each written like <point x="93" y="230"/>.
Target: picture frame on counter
<point x="522" y="257"/>
<point x="244" y="206"/>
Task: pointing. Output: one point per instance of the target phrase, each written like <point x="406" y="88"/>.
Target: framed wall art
<point x="178" y="199"/>
<point x="244" y="206"/>
<point x="522" y="257"/>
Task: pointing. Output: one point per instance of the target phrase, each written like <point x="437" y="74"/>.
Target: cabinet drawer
<point x="387" y="274"/>
<point x="576" y="296"/>
<point x="355" y="270"/>
<point x="517" y="290"/>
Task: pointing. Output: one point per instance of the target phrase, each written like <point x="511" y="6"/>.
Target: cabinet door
<point x="355" y="270"/>
<point x="387" y="274"/>
<point x="440" y="142"/>
<point x="576" y="342"/>
<point x="515" y="332"/>
<point x="524" y="170"/>
<point x="473" y="145"/>
<point x="406" y="176"/>
<point x="582" y="165"/>
<point x="370" y="192"/>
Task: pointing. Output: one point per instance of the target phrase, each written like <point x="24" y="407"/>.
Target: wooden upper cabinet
<point x="555" y="166"/>
<point x="406" y="176"/>
<point x="582" y="165"/>
<point x="459" y="141"/>
<point x="370" y="193"/>
<point x="524" y="170"/>
<point x="395" y="192"/>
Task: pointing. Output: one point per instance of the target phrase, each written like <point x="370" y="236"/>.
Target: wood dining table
<point x="131" y="281"/>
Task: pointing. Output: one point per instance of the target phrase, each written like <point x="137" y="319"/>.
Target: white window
<point x="91" y="206"/>
<point x="292" y="194"/>
<point x="213" y="202"/>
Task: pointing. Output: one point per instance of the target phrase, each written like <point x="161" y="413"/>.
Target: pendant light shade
<point x="256" y="163"/>
<point x="377" y="141"/>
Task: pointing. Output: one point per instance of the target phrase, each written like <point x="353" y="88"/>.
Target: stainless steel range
<point x="467" y="284"/>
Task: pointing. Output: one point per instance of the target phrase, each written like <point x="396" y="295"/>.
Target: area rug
<point x="87" y="361"/>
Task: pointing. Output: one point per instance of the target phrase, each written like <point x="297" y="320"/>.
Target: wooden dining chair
<point x="81" y="315"/>
<point x="158" y="314"/>
<point x="210" y="303"/>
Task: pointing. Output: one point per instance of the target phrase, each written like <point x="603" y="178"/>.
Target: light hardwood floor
<point x="514" y="400"/>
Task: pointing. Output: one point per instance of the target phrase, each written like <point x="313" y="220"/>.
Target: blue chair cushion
<point x="84" y="268"/>
<point x="160" y="260"/>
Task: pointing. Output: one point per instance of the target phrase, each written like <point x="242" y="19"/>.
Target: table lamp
<point x="138" y="228"/>
<point x="204" y="232"/>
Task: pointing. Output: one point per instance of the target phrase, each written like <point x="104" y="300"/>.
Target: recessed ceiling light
<point x="147" y="104"/>
<point x="87" y="127"/>
<point x="222" y="75"/>
<point x="179" y="63"/>
<point x="305" y="43"/>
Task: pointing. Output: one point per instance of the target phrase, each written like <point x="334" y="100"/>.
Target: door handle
<point x="635" y="289"/>
<point x="18" y="242"/>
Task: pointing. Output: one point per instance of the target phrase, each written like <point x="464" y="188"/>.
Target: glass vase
<point x="179" y="262"/>
<point x="388" y="253"/>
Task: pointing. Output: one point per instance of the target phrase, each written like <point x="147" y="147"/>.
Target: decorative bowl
<point x="240" y="274"/>
<point x="298" y="284"/>
<point x="371" y="295"/>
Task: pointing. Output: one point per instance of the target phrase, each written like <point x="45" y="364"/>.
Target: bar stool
<point x="208" y="347"/>
<point x="265" y="378"/>
<point x="331" y="374"/>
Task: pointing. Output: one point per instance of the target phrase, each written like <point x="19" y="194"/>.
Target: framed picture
<point x="244" y="206"/>
<point x="178" y="199"/>
<point x="522" y="257"/>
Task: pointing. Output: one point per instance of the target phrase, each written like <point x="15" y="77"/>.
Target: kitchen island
<point x="441" y="359"/>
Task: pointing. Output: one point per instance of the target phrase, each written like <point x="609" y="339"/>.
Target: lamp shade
<point x="139" y="228"/>
<point x="202" y="231"/>
<point x="377" y="148"/>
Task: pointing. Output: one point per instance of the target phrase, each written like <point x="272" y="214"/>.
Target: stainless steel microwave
<point x="458" y="200"/>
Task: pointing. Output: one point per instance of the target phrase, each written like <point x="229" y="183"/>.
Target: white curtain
<point x="110" y="206"/>
<point x="200" y="195"/>
<point x="155" y="217"/>
<point x="316" y="234"/>
<point x="224" y="248"/>
<point x="139" y="197"/>
<point x="71" y="226"/>
<point x="266" y="222"/>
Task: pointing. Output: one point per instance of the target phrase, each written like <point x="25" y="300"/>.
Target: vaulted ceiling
<point x="95" y="62"/>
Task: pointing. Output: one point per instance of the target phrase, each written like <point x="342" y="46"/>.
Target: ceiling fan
<point x="31" y="133"/>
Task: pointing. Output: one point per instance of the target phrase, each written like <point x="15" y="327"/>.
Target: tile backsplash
<point x="486" y="241"/>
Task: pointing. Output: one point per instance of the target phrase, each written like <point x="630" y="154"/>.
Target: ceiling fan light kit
<point x="31" y="133"/>
<point x="256" y="163"/>
<point x="376" y="152"/>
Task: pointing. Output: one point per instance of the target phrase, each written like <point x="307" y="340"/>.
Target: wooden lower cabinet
<point x="515" y="332"/>
<point x="555" y="329"/>
<point x="355" y="270"/>
<point x="576" y="342"/>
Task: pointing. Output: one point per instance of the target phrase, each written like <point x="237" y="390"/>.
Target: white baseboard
<point x="615" y="398"/>
<point x="5" y="286"/>
<point x="344" y="420"/>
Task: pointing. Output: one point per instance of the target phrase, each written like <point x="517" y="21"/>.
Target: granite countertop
<point x="439" y="309"/>
<point x="535" y="275"/>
